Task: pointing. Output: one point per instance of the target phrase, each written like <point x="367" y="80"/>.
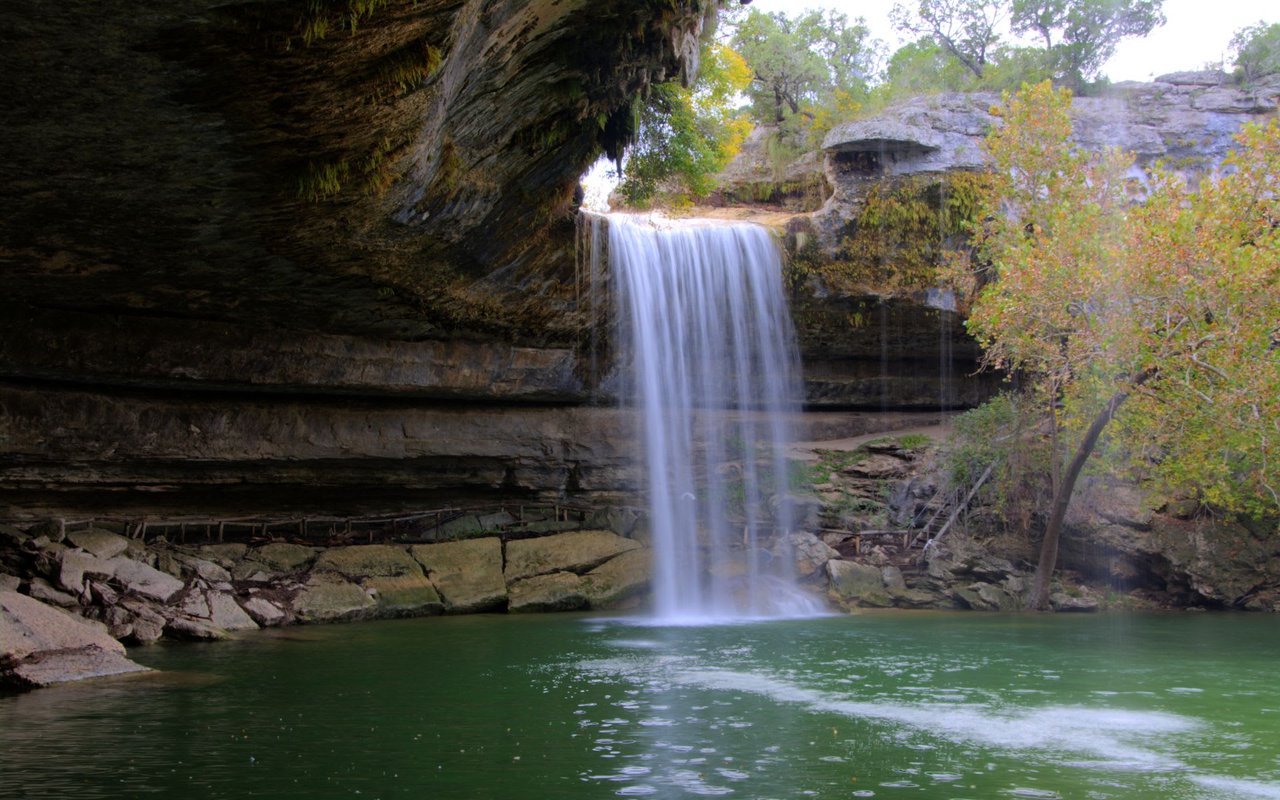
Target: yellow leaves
<point x="1092" y="289"/>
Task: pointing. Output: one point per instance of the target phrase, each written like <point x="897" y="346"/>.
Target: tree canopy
<point x="799" y="63"/>
<point x="1161" y="311"/>
<point x="1257" y="50"/>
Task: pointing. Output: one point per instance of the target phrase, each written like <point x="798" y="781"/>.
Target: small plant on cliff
<point x="1163" y="315"/>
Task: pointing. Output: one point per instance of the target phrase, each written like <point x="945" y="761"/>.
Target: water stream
<point x="713" y="369"/>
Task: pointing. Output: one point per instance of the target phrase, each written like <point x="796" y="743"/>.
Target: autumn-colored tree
<point x="1153" y="305"/>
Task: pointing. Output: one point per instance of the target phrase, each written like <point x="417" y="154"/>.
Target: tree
<point x="1257" y="50"/>
<point x="685" y="135"/>
<point x="967" y="29"/>
<point x="1169" y="308"/>
<point x="802" y="62"/>
<point x="1080" y="35"/>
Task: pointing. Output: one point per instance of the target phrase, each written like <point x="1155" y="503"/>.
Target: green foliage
<point x="1168" y="306"/>
<point x="804" y="63"/>
<point x="1004" y="431"/>
<point x="323" y="181"/>
<point x="404" y="70"/>
<point x="903" y="233"/>
<point x="1080" y="35"/>
<point x="1257" y="50"/>
<point x="320" y="17"/>
<point x="966" y="29"/>
<point x="687" y="135"/>
<point x="1076" y="38"/>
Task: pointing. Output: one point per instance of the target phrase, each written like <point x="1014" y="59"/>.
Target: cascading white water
<point x="711" y="365"/>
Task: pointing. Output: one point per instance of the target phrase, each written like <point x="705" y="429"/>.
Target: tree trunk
<point x="1062" y="494"/>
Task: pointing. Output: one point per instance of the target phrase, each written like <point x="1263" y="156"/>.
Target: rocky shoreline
<point x="70" y="600"/>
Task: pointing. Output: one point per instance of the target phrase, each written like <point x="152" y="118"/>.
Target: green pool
<point x="895" y="705"/>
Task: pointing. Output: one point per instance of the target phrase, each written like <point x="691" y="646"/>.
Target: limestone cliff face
<point x="1186" y="120"/>
<point x="388" y="167"/>
<point x="309" y="252"/>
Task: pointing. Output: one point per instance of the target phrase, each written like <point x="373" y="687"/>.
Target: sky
<point x="1197" y="32"/>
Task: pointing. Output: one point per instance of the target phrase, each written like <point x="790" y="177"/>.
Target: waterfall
<point x="709" y="362"/>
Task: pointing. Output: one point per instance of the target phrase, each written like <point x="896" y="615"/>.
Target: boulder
<point x="9" y="583"/>
<point x="76" y="565"/>
<point x="329" y="598"/>
<point x="225" y="554"/>
<point x="102" y="544"/>
<point x="40" y="645"/>
<point x="144" y="580"/>
<point x="226" y="613"/>
<point x="41" y="590"/>
<point x="367" y="560"/>
<point x="195" y="629"/>
<point x="264" y="612"/>
<point x="811" y="553"/>
<point x="982" y="596"/>
<point x="404" y="595"/>
<point x="1082" y="601"/>
<point x="618" y="579"/>
<point x="467" y="573"/>
<point x="207" y="570"/>
<point x="857" y="584"/>
<point x="577" y="551"/>
<point x="559" y="591"/>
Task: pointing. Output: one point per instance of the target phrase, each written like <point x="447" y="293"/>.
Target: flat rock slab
<point x="144" y="580"/>
<point x="368" y="560"/>
<point x="62" y="666"/>
<point x="40" y="646"/>
<point x="102" y="544"/>
<point x="579" y="551"/>
<point x="560" y="591"/>
<point x="76" y="565"/>
<point x="468" y="573"/>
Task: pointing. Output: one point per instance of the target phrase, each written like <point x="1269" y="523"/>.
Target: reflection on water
<point x="890" y="706"/>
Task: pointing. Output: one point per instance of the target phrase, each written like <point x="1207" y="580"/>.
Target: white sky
<point x="1197" y="31"/>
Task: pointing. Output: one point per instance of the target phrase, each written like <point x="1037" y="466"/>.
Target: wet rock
<point x="404" y="595"/>
<point x="146" y="631"/>
<point x="579" y="551"/>
<point x="367" y="560"/>
<point x="618" y="579"/>
<point x="147" y="581"/>
<point x="854" y="584"/>
<point x="559" y="591"/>
<point x="467" y="573"/>
<point x="40" y="645"/>
<point x="102" y="544"/>
<point x="329" y="598"/>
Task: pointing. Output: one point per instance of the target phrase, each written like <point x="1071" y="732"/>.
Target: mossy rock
<point x="404" y="595"/>
<point x="329" y="598"/>
<point x="560" y="591"/>
<point x="618" y="579"/>
<point x="368" y="560"/>
<point x="282" y="556"/>
<point x="579" y="551"/>
<point x="857" y="585"/>
<point x="468" y="573"/>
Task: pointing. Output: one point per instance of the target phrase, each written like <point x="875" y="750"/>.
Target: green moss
<point x="322" y="181"/>
<point x="406" y="69"/>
